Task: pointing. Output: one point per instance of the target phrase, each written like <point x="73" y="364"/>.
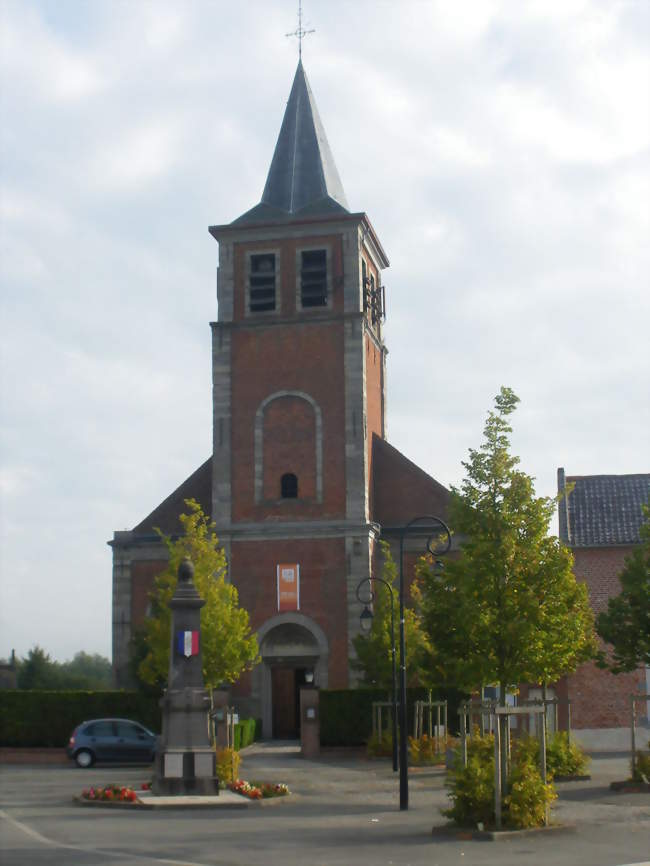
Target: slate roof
<point x="303" y="179"/>
<point x="401" y="490"/>
<point x="602" y="510"/>
<point x="165" y="516"/>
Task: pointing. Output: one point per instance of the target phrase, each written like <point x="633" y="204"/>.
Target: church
<point x="301" y="479"/>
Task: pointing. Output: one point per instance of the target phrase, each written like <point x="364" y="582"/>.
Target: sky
<point x="500" y="149"/>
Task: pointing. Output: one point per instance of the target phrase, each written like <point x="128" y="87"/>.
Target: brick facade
<point x="598" y="698"/>
<point x="600" y="517"/>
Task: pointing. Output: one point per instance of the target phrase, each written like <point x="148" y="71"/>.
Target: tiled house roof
<point x="602" y="510"/>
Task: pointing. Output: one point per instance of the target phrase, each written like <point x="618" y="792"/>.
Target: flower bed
<point x="258" y="790"/>
<point x="110" y="794"/>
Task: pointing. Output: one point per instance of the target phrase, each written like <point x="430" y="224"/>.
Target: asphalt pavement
<point x="343" y="811"/>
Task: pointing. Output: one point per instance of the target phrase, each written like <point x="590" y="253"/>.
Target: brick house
<point x="600" y="520"/>
<point x="301" y="476"/>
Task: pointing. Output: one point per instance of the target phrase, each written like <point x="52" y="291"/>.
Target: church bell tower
<point x="298" y="365"/>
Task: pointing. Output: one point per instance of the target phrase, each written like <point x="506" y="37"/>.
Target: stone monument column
<point x="185" y="761"/>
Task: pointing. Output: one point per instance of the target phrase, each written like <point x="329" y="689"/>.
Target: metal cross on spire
<point x="299" y="32"/>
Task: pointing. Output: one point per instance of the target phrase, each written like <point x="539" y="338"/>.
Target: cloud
<point x="134" y="158"/>
<point x="62" y="74"/>
<point x="502" y="157"/>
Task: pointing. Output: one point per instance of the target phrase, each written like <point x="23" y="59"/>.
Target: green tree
<point x="626" y="622"/>
<point x="38" y="671"/>
<point x="509" y="609"/>
<point x="86" y="671"/>
<point x="373" y="650"/>
<point x="227" y="645"/>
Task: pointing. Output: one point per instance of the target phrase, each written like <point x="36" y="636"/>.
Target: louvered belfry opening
<point x="262" y="283"/>
<point x="313" y="278"/>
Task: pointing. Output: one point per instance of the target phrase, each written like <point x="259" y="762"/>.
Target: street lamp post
<point x="433" y="528"/>
<point x="366" y="625"/>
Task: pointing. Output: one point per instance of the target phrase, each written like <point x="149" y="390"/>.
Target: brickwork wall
<point x="322" y="588"/>
<point x="600" y="699"/>
<point x="291" y="357"/>
<point x="289" y="446"/>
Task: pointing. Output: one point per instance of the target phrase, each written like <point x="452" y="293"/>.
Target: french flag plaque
<point x="187" y="643"/>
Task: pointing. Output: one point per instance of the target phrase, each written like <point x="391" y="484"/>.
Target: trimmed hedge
<point x="47" y="718"/>
<point x="244" y="733"/>
<point x="346" y="714"/>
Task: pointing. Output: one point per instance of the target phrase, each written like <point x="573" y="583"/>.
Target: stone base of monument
<point x="185" y="771"/>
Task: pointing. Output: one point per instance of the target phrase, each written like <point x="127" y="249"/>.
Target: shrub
<point x="641" y="767"/>
<point x="529" y="798"/>
<point x="472" y="787"/>
<point x="228" y="762"/>
<point x="47" y="718"/>
<point x="423" y="751"/>
<point x="244" y="733"/>
<point x="563" y="756"/>
<point x="380" y="745"/>
<point x="346" y="714"/>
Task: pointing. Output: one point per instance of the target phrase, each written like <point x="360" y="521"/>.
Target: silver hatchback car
<point x="111" y="740"/>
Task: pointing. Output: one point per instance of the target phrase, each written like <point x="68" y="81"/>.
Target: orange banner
<point x="288" y="577"/>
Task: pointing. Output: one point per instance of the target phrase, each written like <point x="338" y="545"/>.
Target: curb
<point x="498" y="835"/>
<point x="181" y="802"/>
<point x="571" y="779"/>
<point x="33" y="755"/>
<point x="108" y="804"/>
<point x="630" y="787"/>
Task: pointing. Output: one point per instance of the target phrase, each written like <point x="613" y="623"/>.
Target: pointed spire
<point x="303" y="177"/>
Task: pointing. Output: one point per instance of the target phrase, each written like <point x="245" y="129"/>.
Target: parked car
<point x="111" y="740"/>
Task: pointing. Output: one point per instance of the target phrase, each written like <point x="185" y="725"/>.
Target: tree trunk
<point x="211" y="730"/>
<point x="505" y="742"/>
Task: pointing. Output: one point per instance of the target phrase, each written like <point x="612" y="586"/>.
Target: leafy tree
<point x="38" y="671"/>
<point x="509" y="609"/>
<point x="373" y="650"/>
<point x="626" y="622"/>
<point x="86" y="671"/>
<point x="227" y="645"/>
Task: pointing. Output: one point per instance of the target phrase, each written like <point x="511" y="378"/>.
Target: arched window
<point x="289" y="486"/>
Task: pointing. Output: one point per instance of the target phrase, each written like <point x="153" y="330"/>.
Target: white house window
<point x="261" y="288"/>
<point x="313" y="278"/>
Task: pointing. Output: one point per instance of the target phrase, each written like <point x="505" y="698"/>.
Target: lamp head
<point x="365" y="619"/>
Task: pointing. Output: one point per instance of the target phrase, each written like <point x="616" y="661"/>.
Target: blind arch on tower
<point x="294" y="441"/>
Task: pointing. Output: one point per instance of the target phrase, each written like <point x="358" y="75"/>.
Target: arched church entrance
<point x="294" y="653"/>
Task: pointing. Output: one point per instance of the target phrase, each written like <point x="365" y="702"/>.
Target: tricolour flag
<point x="187" y="643"/>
